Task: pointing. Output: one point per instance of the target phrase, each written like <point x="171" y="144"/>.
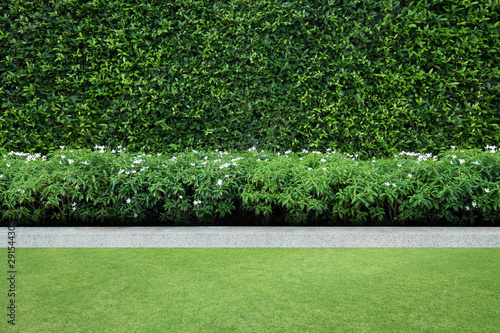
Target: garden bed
<point x="112" y="187"/>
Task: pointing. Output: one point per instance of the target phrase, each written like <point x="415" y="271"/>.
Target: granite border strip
<point x="252" y="237"/>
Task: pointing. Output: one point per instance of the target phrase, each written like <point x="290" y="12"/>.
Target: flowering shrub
<point x="110" y="187"/>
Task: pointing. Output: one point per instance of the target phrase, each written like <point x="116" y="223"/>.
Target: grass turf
<point x="255" y="290"/>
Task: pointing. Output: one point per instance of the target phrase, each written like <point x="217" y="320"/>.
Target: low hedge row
<point x="102" y="187"/>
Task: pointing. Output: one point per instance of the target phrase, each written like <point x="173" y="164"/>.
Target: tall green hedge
<point x="354" y="75"/>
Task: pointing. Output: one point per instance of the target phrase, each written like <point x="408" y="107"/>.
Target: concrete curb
<point x="231" y="237"/>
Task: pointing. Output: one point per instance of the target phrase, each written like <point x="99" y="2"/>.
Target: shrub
<point x="83" y="187"/>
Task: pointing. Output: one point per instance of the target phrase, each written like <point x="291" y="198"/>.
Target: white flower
<point x="73" y="206"/>
<point x="70" y="161"/>
<point x="399" y="165"/>
<point x="467" y="207"/>
<point x="219" y="182"/>
<point x="86" y="163"/>
<point x="192" y="164"/>
<point x="393" y="185"/>
<point x="452" y="162"/>
<point x="133" y="171"/>
<point x="196" y="202"/>
<point x="300" y="158"/>
<point x="453" y="147"/>
<point x="135" y="215"/>
<point x="1" y="176"/>
<point x="487" y="190"/>
<point x="60" y="162"/>
<point x="62" y="147"/>
<point x="128" y="200"/>
<point x="127" y="172"/>
<point x="180" y="196"/>
<point x="227" y="176"/>
<point x="477" y="163"/>
<point x="493" y="149"/>
<point x="159" y="154"/>
<point x="461" y="161"/>
<point x="387" y="184"/>
<point x="474" y="204"/>
<point x="323" y="160"/>
<point x="309" y="168"/>
<point x="324" y="169"/>
<point x="8" y="165"/>
<point x="409" y="175"/>
<point x="454" y="156"/>
<point x="258" y="160"/>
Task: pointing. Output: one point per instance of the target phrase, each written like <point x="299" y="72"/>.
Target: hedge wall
<point x="376" y="77"/>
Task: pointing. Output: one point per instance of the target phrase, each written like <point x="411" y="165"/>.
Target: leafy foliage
<point x="457" y="187"/>
<point x="376" y="77"/>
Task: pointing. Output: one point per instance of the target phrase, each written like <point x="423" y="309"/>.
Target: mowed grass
<point x="255" y="290"/>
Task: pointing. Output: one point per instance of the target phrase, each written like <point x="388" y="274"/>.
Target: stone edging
<point x="312" y="237"/>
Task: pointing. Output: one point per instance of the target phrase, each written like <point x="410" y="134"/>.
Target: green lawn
<point x="255" y="290"/>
